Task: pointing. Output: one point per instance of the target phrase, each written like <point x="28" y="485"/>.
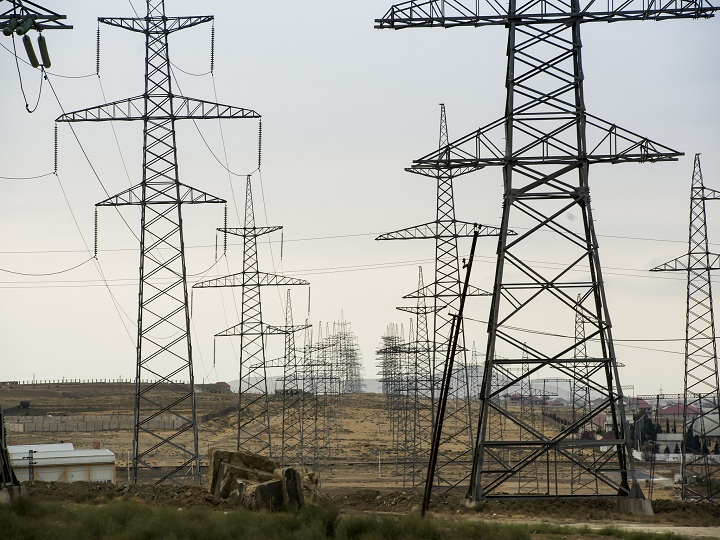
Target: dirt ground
<point x="363" y="477"/>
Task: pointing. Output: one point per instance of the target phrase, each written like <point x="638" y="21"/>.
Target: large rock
<point x="257" y="483"/>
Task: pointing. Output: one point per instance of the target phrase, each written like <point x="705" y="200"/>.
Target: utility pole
<point x="544" y="144"/>
<point x="164" y="352"/>
<point x="701" y="395"/>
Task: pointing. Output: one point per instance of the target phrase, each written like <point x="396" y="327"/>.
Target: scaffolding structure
<point x="253" y="431"/>
<point x="164" y="352"/>
<point x="701" y="395"/>
<point x="544" y="145"/>
<point x="444" y="293"/>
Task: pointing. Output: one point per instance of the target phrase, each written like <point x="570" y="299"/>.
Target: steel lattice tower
<point x="445" y="292"/>
<point x="292" y="451"/>
<point x="420" y="386"/>
<point x="164" y="352"/>
<point x="544" y="144"/>
<point x="253" y="398"/>
<point x="701" y="394"/>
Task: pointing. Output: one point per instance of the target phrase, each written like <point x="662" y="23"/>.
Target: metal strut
<point x="447" y="376"/>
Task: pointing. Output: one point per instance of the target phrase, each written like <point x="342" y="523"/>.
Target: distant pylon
<point x="701" y="478"/>
<point x="420" y="387"/>
<point x="253" y="399"/>
<point x="445" y="292"/>
<point x="164" y="352"/>
<point x="292" y="450"/>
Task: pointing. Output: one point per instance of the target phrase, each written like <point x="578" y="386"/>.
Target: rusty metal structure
<point x="544" y="144"/>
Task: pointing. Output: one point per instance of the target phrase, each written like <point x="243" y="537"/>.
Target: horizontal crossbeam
<point x="43" y="18"/>
<point x="684" y="264"/>
<point x="155" y="25"/>
<point x="243" y="279"/>
<point x="437" y="229"/>
<point x="250" y="231"/>
<point x="450" y="13"/>
<point x="264" y="330"/>
<point x="607" y="143"/>
<point x="172" y="108"/>
<point x="160" y="193"/>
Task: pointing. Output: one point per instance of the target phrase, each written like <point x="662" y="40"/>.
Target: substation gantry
<point x="164" y="352"/>
<point x="544" y="144"/>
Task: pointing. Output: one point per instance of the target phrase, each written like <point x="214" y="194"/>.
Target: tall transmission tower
<point x="164" y="352"/>
<point x="445" y="294"/>
<point x="701" y="394"/>
<point x="544" y="144"/>
<point x="253" y="398"/>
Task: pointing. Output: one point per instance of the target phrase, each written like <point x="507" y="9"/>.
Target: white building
<point x="62" y="463"/>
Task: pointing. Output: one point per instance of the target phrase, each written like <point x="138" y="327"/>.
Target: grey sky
<point x="345" y="107"/>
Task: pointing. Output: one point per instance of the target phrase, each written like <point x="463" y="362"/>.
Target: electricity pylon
<point x="544" y="144"/>
<point x="445" y="294"/>
<point x="701" y="395"/>
<point x="420" y="387"/>
<point x="164" y="352"/>
<point x="253" y="432"/>
<point x="293" y="397"/>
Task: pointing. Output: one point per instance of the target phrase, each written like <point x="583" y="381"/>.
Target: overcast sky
<point x="345" y="108"/>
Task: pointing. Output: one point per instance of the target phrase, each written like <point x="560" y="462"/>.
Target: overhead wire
<point x="22" y="87"/>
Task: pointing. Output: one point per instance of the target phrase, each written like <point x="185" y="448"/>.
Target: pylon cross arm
<point x="682" y="264"/>
<point x="243" y="279"/>
<point x="175" y="108"/>
<point x="153" y="25"/>
<point x="607" y="143"/>
<point x="435" y="229"/>
<point x="43" y="18"/>
<point x="449" y="13"/>
<point x="160" y="193"/>
<point x="250" y="231"/>
<point x="710" y="194"/>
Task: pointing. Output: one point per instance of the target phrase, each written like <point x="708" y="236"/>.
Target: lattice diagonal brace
<point x="164" y="351"/>
<point x="545" y="143"/>
<point x="253" y="432"/>
<point x="701" y="390"/>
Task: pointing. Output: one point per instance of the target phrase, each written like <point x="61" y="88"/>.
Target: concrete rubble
<point x="258" y="483"/>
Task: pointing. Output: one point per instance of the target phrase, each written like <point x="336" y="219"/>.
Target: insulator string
<point x="212" y="49"/>
<point x="55" y="151"/>
<point x="96" y="233"/>
<point x="97" y="52"/>
<point x="192" y="296"/>
<point x="214" y="347"/>
<point x="282" y="242"/>
<point x="259" y="143"/>
<point x="225" y="232"/>
<point x="308" y="302"/>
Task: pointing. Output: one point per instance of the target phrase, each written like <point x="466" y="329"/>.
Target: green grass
<point x="26" y="519"/>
